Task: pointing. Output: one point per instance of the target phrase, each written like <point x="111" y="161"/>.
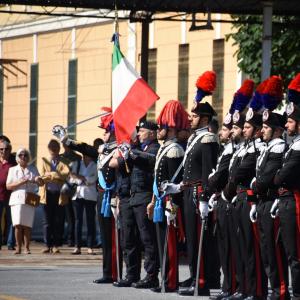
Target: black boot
<point x="127" y="282"/>
<point x="189" y="291"/>
<point x="220" y="296"/>
<point x="150" y="281"/>
<point x="186" y="283"/>
<point x="103" y="280"/>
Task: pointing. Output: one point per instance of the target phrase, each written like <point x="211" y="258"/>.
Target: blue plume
<point x="256" y="102"/>
<point x="294" y="96"/>
<point x="240" y="101"/>
<point x="200" y="95"/>
<point x="270" y="102"/>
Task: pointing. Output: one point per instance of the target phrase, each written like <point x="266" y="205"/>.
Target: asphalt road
<point x="64" y="276"/>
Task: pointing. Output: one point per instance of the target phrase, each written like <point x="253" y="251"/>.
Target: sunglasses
<point x="23" y="155"/>
<point x="3" y="149"/>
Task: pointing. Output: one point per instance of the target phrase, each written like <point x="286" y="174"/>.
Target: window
<point x="152" y="64"/>
<point x="33" y="117"/>
<point x="1" y="101"/>
<point x="72" y="97"/>
<point x="218" y="67"/>
<point x="183" y="74"/>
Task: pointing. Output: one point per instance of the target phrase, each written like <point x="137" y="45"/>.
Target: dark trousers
<point x="107" y="228"/>
<point x="288" y="212"/>
<point x="226" y="244"/>
<point x="10" y="231"/>
<point x="171" y="264"/>
<point x="70" y="219"/>
<point x="272" y="252"/>
<point x="147" y="235"/>
<point x="130" y="241"/>
<point x="90" y="212"/>
<point x="53" y="216"/>
<point x="248" y="237"/>
<point x="209" y="266"/>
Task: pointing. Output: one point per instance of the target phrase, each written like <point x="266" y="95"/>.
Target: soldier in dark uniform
<point x="199" y="160"/>
<point x="107" y="181"/>
<point x="256" y="280"/>
<point x="288" y="180"/>
<point x="141" y="162"/>
<point x="226" y="240"/>
<point x="168" y="167"/>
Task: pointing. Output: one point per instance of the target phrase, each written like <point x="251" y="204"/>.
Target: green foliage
<point x="247" y="36"/>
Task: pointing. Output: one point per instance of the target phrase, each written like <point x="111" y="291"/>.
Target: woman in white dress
<point x="21" y="179"/>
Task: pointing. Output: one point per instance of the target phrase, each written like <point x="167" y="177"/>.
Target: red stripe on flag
<point x="139" y="99"/>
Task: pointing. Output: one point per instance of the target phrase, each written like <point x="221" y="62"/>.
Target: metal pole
<point x="163" y="267"/>
<point x="267" y="39"/>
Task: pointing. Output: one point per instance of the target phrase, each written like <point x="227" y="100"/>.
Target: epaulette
<point x="279" y="148"/>
<point x="175" y="152"/>
<point x="228" y="149"/>
<point x="209" y="138"/>
<point x="296" y="146"/>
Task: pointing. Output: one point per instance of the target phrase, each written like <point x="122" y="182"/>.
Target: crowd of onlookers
<point x="65" y="185"/>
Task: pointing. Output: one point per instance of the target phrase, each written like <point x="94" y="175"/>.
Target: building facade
<point x="57" y="70"/>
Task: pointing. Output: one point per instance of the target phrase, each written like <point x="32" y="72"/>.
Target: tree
<point x="247" y="35"/>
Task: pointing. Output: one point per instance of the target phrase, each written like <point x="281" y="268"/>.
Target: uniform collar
<point x="274" y="142"/>
<point x="170" y="141"/>
<point x="200" y="130"/>
<point x="296" y="139"/>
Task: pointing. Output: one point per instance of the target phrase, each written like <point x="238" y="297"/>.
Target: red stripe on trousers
<point x="257" y="260"/>
<point x="113" y="251"/>
<point x="201" y="273"/>
<point x="297" y="200"/>
<point x="282" y="290"/>
<point x="173" y="258"/>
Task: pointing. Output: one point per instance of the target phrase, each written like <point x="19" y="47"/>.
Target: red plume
<point x="261" y="87"/>
<point x="173" y="114"/>
<point x="207" y="81"/>
<point x="107" y="119"/>
<point x="247" y="88"/>
<point x="274" y="87"/>
<point x="295" y="83"/>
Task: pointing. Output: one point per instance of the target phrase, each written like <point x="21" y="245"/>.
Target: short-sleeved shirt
<point x="4" y="193"/>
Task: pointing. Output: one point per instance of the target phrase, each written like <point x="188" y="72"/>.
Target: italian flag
<point x="131" y="95"/>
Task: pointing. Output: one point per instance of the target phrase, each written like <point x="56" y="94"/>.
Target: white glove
<point x="60" y="132"/>
<point x="203" y="209"/>
<point x="212" y="203"/>
<point x="252" y="184"/>
<point x="114" y="207"/>
<point x="253" y="213"/>
<point x="170" y="216"/>
<point x="171" y="211"/>
<point x="170" y="188"/>
<point x="124" y="150"/>
<point x="274" y="209"/>
<point x="212" y="173"/>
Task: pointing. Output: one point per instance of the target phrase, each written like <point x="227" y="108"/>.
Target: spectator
<point x="6" y="161"/>
<point x="85" y="198"/>
<point x="70" y="156"/>
<point x="20" y="180"/>
<point x="54" y="172"/>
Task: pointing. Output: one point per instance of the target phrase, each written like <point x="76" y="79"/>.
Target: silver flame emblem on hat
<point x="249" y="114"/>
<point x="236" y="116"/>
<point x="290" y="108"/>
<point x="227" y="119"/>
<point x="265" y="115"/>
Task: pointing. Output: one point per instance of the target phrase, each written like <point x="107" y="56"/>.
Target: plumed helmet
<point x="173" y="115"/>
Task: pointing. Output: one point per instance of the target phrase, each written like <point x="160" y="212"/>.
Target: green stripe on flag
<point x="117" y="57"/>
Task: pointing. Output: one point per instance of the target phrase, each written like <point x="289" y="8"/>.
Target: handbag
<point x="32" y="199"/>
<point x="68" y="188"/>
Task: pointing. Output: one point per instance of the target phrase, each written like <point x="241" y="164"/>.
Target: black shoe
<point x="220" y="296"/>
<point x="276" y="296"/>
<point x="186" y="283"/>
<point x="190" y="291"/>
<point x="148" y="282"/>
<point x="124" y="282"/>
<point x="235" y="296"/>
<point x="103" y="280"/>
<point x="11" y="248"/>
<point x="167" y="290"/>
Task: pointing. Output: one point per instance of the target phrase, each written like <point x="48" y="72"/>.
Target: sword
<point x="163" y="267"/>
<point x="117" y="249"/>
<point x="203" y="225"/>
